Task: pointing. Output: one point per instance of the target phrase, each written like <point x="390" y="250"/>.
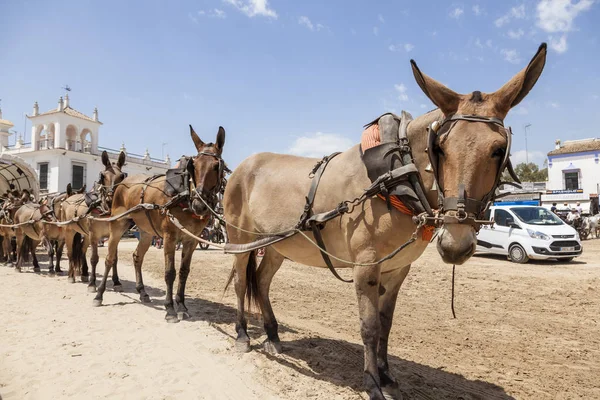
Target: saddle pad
<point x="371" y="138"/>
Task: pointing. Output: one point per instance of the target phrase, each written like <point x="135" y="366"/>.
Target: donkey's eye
<point x="499" y="153"/>
<point x="216" y="167"/>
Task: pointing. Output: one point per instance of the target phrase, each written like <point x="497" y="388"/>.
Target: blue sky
<point x="292" y="76"/>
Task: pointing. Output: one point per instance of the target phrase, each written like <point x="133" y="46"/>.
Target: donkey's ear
<point x="82" y="190"/>
<point x="447" y="100"/>
<point x="197" y="141"/>
<point x="121" y="160"/>
<point x="105" y="159"/>
<point x="69" y="190"/>
<point x="519" y="86"/>
<point x="220" y="138"/>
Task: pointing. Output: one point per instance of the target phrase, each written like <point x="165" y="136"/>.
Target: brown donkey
<point x="203" y="175"/>
<point x="13" y="201"/>
<point x="29" y="236"/>
<point x="85" y="232"/>
<point x="267" y="193"/>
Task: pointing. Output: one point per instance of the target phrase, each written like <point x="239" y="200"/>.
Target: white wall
<point x="589" y="170"/>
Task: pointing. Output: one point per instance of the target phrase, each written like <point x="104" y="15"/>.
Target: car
<point x="528" y="232"/>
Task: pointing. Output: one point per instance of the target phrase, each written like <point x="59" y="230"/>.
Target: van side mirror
<point x="511" y="223"/>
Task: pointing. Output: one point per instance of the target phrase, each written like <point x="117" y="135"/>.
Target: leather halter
<point x="468" y="211"/>
<point x="210" y="197"/>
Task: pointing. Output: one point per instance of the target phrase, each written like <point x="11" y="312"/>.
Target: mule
<point x="30" y="235"/>
<point x="267" y="193"/>
<point x="88" y="232"/>
<point x="204" y="178"/>
<point x="14" y="200"/>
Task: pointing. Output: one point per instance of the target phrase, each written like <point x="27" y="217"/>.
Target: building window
<point x="571" y="180"/>
<point x="43" y="173"/>
<point x="78" y="176"/>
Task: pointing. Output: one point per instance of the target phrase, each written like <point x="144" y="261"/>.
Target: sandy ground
<point x="522" y="331"/>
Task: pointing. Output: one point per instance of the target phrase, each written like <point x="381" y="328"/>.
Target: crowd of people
<point x="567" y="213"/>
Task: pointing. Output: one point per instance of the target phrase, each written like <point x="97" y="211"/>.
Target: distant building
<point x="64" y="149"/>
<point x="530" y="194"/>
<point x="574" y="174"/>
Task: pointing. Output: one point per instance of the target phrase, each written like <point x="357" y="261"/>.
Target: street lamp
<point x="526" y="152"/>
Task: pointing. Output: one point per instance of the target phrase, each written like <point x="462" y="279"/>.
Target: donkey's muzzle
<point x="456" y="243"/>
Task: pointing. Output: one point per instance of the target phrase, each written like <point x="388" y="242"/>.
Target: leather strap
<point x="319" y="239"/>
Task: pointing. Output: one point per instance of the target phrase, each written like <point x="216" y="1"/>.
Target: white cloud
<point x="478" y="43"/>
<point x="214" y="13"/>
<point x="514" y="13"/>
<point x="192" y="18"/>
<point x="401" y="89"/>
<point x="253" y="8"/>
<point x="187" y="96"/>
<point x="511" y="55"/>
<point x="477" y="10"/>
<point x="488" y="43"/>
<point x="516" y="34"/>
<point x="479" y="58"/>
<point x="537" y="157"/>
<point x="559" y="44"/>
<point x="381" y="19"/>
<point x="423" y="106"/>
<point x="554" y="105"/>
<point x="375" y="31"/>
<point x="558" y="15"/>
<point x="456" y="13"/>
<point x="305" y="21"/>
<point x="408" y="47"/>
<point x="319" y="144"/>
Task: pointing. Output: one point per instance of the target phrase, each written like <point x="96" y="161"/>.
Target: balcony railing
<point x="74" y="145"/>
<point x="45" y="144"/>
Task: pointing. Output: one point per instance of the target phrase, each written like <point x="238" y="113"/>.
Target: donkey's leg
<point x="34" y="245"/>
<point x="170" y="275"/>
<point x="138" y="259"/>
<point x="93" y="260"/>
<point x="366" y="283"/>
<point x="69" y="237"/>
<point x="269" y="265"/>
<point x="20" y="236"/>
<point x="85" y="274"/>
<point x="60" y="245"/>
<point x="189" y="245"/>
<point x="50" y="250"/>
<point x="388" y="294"/>
<point x="117" y="229"/>
<point x="240" y="265"/>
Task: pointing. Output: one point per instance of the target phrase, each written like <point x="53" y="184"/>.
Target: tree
<point x="528" y="173"/>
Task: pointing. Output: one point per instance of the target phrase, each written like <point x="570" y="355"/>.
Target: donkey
<point x="14" y="200"/>
<point x="267" y="193"/>
<point x="30" y="235"/>
<point x="204" y="178"/>
<point x="79" y="236"/>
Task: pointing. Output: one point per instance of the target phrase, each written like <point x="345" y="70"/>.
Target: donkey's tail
<point x="25" y="248"/>
<point x="251" y="280"/>
<point x="78" y="253"/>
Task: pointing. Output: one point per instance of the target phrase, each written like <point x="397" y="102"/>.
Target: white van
<point x="528" y="232"/>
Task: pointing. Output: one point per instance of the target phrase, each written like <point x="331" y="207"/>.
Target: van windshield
<point x="536" y="216"/>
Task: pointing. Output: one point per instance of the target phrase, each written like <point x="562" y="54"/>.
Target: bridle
<point x="466" y="210"/>
<point x="106" y="192"/>
<point x="209" y="197"/>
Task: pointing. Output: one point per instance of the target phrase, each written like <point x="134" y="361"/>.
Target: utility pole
<point x="526" y="151"/>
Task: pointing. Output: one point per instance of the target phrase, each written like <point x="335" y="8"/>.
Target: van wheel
<point x="517" y="254"/>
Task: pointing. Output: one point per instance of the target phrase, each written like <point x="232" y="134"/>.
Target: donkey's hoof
<point x="51" y="272"/>
<point x="171" y="319"/>
<point x="71" y="279"/>
<point x="17" y="269"/>
<point x="85" y="278"/>
<point x="97" y="303"/>
<point x="391" y="394"/>
<point x="183" y="315"/>
<point x="91" y="289"/>
<point x="145" y="299"/>
<point x="36" y="269"/>
<point x="118" y="288"/>
<point x="242" y="346"/>
<point x="271" y="347"/>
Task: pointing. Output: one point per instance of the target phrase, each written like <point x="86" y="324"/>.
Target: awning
<point x="15" y="171"/>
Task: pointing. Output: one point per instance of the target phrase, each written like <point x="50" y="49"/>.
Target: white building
<point x="574" y="174"/>
<point x="64" y="149"/>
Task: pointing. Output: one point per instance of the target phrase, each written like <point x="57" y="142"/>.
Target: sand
<point x="523" y="331"/>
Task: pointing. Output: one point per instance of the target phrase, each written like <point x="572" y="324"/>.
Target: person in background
<point x="579" y="208"/>
<point x="573" y="215"/>
<point x="553" y="208"/>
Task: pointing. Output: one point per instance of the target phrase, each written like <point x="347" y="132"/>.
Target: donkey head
<point x="206" y="172"/>
<point x="109" y="178"/>
<point x="469" y="150"/>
